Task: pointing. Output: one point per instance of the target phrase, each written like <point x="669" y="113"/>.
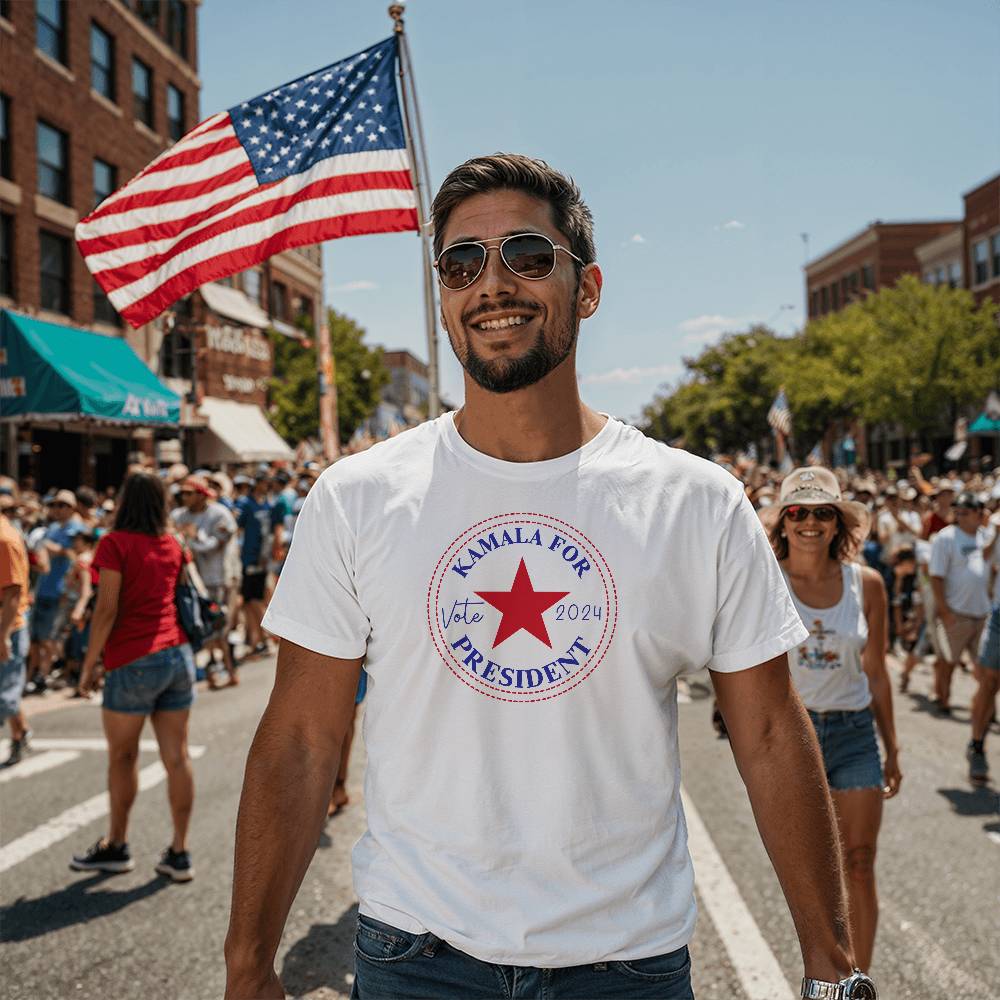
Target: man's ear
<point x="588" y="296"/>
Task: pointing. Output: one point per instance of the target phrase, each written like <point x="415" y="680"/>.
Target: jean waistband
<point x="839" y="715"/>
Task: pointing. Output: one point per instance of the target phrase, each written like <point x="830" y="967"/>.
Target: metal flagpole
<point x="416" y="147"/>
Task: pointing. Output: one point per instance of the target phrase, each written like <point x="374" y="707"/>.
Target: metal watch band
<point x="816" y="989"/>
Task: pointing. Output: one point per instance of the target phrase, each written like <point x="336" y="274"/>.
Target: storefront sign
<point x="240" y="342"/>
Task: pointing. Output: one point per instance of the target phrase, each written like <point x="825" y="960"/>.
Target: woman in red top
<point x="149" y="670"/>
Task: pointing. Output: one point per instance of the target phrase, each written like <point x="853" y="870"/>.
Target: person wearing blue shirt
<point x="261" y="529"/>
<point x="57" y="542"/>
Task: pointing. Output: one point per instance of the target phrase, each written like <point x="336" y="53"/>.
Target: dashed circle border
<point x="543" y="519"/>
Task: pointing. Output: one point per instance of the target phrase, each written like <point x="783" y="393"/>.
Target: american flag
<point x="780" y="416"/>
<point x="318" y="158"/>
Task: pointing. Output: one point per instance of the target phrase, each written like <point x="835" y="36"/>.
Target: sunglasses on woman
<point x="528" y="255"/>
<point x="799" y="512"/>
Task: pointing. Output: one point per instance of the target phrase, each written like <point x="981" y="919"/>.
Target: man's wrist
<point x="829" y="966"/>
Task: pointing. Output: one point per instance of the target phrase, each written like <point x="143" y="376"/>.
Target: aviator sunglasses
<point x="798" y="512"/>
<point x="528" y="255"/>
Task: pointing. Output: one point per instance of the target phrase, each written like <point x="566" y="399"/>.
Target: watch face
<point x="862" y="988"/>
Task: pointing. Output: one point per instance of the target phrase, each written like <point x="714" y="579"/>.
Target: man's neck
<point x="543" y="421"/>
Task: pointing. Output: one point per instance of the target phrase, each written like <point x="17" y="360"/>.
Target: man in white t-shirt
<point x="899" y="527"/>
<point x="525" y="580"/>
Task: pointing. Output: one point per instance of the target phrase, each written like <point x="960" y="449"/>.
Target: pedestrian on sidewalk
<point x="525" y="580"/>
<point x="149" y="671"/>
<point x="984" y="702"/>
<point x="960" y="578"/>
<point x="840" y="670"/>
<point x="15" y="597"/>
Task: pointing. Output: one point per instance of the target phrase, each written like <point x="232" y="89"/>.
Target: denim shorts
<point x="44" y="614"/>
<point x="12" y="673"/>
<point x="989" y="648"/>
<point x="393" y="964"/>
<point x="160" y="682"/>
<point x="850" y="750"/>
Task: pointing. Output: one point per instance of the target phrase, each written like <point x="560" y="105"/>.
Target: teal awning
<point x="985" y="424"/>
<point x="53" y="372"/>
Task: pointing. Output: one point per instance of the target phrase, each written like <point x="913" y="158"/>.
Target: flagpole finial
<point x="396" y="11"/>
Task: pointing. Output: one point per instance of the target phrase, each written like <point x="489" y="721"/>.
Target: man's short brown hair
<point x="514" y="172"/>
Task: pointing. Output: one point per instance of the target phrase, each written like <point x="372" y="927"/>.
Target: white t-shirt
<point x="524" y="625"/>
<point x="894" y="537"/>
<point x="957" y="557"/>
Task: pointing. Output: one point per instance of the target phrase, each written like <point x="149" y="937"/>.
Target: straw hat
<point x="817" y="487"/>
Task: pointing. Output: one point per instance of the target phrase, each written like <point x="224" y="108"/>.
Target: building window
<point x="980" y="262"/>
<point x="102" y="62"/>
<point x="175" y="112"/>
<point x="868" y="277"/>
<point x="149" y="13"/>
<point x="5" y="143"/>
<point x="53" y="170"/>
<point x="142" y="91"/>
<point x="175" y="355"/>
<point x="995" y="245"/>
<point x="105" y="180"/>
<point x="824" y="299"/>
<point x="104" y="311"/>
<point x="279" y="300"/>
<point x="835" y="296"/>
<point x="54" y="254"/>
<point x="955" y="274"/>
<point x="852" y="284"/>
<point x="50" y="28"/>
<point x="813" y="303"/>
<point x="6" y="254"/>
<point x="251" y="285"/>
<point x="304" y="311"/>
<point x="930" y="278"/>
<point x="5" y="9"/>
<point x="177" y="27"/>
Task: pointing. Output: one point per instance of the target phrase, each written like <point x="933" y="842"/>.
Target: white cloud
<point x="637" y="238"/>
<point x="702" y="329"/>
<point x="630" y="376"/>
<point x="731" y="224"/>
<point x="355" y="286"/>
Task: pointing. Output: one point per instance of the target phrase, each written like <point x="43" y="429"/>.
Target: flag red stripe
<point x="152" y="199"/>
<point x="188" y="157"/>
<point x="113" y="278"/>
<point x="304" y="234"/>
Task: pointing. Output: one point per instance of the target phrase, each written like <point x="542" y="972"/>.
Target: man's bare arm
<point x="286" y="789"/>
<point x="779" y="760"/>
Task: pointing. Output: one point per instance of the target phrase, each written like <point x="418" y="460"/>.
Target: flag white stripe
<point x="356" y="163"/>
<point x="311" y="210"/>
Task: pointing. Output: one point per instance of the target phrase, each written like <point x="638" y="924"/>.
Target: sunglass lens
<point x="530" y="255"/>
<point x="824" y="513"/>
<point x="460" y="265"/>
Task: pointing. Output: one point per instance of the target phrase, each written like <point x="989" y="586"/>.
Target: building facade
<point x="981" y="240"/>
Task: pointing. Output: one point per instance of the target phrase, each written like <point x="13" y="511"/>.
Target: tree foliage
<point x="360" y="375"/>
<point x="913" y="355"/>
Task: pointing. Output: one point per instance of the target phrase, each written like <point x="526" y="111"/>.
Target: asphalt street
<point x="68" y="934"/>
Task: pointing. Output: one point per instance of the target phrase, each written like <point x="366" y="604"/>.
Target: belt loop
<point x="600" y="966"/>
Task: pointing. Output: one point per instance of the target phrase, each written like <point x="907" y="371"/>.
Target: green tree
<point x="360" y="377"/>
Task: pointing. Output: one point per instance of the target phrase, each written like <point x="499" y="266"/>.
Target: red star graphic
<point x="521" y="607"/>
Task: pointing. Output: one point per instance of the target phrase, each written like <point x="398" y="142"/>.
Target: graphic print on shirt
<point x="813" y="653"/>
<point x="522" y="607"/>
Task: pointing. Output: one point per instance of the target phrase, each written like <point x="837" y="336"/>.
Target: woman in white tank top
<point x="840" y="671"/>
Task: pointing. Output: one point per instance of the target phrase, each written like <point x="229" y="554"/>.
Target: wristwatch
<point x="856" y="986"/>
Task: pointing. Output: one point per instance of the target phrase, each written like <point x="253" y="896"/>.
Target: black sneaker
<point x="176" y="865"/>
<point x="104" y="857"/>
<point x="979" y="770"/>
<point x="18" y="748"/>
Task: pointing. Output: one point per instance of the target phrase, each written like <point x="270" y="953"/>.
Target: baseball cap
<point x="968" y="501"/>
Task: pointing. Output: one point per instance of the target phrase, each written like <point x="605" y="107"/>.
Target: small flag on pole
<point x="780" y="416"/>
<point x="318" y="158"/>
<point x="815" y="457"/>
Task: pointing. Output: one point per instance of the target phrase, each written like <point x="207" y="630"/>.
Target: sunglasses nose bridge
<point x="495" y="275"/>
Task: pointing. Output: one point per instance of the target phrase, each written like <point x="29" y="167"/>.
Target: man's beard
<point x="510" y="374"/>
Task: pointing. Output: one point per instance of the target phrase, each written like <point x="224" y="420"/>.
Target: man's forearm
<point x="940" y="604"/>
<point x="786" y="782"/>
<point x="10" y="598"/>
<point x="286" y="790"/>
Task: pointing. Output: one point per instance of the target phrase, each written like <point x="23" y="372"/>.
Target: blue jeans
<point x="160" y="682"/>
<point x="850" y="750"/>
<point x="392" y="964"/>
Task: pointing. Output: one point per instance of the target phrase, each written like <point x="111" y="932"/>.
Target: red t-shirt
<point x="147" y="611"/>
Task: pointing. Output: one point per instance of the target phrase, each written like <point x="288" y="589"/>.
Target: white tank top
<point x="826" y="668"/>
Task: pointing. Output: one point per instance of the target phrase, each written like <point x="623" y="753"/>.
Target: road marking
<point x="83" y="743"/>
<point x="33" y="765"/>
<point x="751" y="958"/>
<point x="994" y="836"/>
<point x="68" y="822"/>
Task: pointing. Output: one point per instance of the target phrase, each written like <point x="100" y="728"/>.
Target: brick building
<point x="872" y="259"/>
<point x="90" y="92"/>
<point x="981" y="240"/>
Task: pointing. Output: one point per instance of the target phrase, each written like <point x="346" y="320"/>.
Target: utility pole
<point x="417" y="147"/>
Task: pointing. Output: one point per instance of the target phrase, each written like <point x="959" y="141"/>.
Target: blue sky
<point x="706" y="135"/>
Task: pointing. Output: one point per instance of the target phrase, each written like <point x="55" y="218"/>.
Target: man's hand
<point x="250" y="988"/>
<point x="6" y="652"/>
